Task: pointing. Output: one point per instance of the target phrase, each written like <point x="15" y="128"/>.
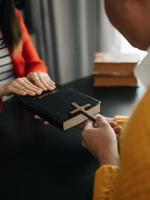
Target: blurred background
<point x="67" y="34"/>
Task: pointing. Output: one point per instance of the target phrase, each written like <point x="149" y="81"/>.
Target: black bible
<point x="64" y="107"/>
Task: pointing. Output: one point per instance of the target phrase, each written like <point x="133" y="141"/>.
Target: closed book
<point x="113" y="74"/>
<point x="57" y="107"/>
<point x="112" y="81"/>
<point x="115" y="62"/>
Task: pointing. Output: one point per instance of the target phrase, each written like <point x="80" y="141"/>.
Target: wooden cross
<point x="82" y="110"/>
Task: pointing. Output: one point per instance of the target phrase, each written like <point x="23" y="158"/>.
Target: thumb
<point x="100" y="120"/>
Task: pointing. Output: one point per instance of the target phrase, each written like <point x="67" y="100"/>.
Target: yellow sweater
<point x="132" y="180"/>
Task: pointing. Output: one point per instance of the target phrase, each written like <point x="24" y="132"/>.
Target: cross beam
<point x="77" y="109"/>
<point x="82" y="110"/>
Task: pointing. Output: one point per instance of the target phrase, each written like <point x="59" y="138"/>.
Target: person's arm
<point x="32" y="60"/>
<point x="100" y="139"/>
<point x="35" y="69"/>
<point x="37" y="79"/>
<point x="104" y="182"/>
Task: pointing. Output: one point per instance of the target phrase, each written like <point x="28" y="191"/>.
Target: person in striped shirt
<point x="22" y="72"/>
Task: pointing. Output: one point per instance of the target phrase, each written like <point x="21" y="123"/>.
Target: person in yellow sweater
<point x="125" y="176"/>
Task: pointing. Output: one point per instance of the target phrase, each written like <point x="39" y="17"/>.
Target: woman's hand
<point x="21" y="86"/>
<point x="42" y="80"/>
<point x="101" y="141"/>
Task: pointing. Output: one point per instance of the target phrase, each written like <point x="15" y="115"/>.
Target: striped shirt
<point x="6" y="66"/>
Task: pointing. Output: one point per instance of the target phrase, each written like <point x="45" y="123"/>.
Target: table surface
<point x="41" y="162"/>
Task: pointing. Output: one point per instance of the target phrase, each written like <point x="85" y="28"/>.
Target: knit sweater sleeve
<point x="104" y="182"/>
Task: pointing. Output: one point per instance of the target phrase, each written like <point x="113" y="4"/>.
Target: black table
<point x="40" y="162"/>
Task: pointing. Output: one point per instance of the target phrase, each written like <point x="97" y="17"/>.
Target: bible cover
<point x="55" y="106"/>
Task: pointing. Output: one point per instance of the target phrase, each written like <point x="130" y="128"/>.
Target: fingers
<point x="47" y="83"/>
<point x="34" y="85"/>
<point x="113" y="124"/>
<point x="118" y="130"/>
<point x="46" y="123"/>
<point x="88" y="126"/>
<point x="37" y="117"/>
<point x="28" y="87"/>
<point x="22" y="86"/>
<point x="28" y="84"/>
<point x="14" y="87"/>
<point x="17" y="91"/>
<point x="101" y="121"/>
<point x="50" y="83"/>
<point x="41" y="80"/>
